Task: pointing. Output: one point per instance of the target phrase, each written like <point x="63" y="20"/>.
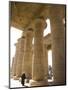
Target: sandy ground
<point x="17" y="83"/>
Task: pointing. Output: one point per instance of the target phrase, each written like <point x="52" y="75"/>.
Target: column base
<point x="11" y="76"/>
<point x="38" y="83"/>
<point x="58" y="83"/>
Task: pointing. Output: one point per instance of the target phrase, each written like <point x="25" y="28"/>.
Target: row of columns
<point x="18" y="59"/>
<point x="34" y="67"/>
<point x="20" y="56"/>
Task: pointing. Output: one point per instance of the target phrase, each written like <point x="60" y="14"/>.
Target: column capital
<point x="41" y="21"/>
<point x="23" y="37"/>
<point x="40" y="17"/>
<point x="28" y="29"/>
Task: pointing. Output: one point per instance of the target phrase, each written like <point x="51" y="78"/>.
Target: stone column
<point x="23" y="49"/>
<point x="58" y="46"/>
<point x="12" y="67"/>
<point x="45" y="61"/>
<point x="27" y="64"/>
<point x="38" y="73"/>
<point x="20" y="57"/>
<point x="15" y="61"/>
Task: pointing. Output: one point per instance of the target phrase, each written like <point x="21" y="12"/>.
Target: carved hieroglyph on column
<point x="27" y="63"/>
<point x="58" y="46"/>
<point x="38" y="73"/>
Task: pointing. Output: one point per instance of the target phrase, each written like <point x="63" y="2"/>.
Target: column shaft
<point x="20" y="56"/>
<point x="58" y="47"/>
<point x="45" y="61"/>
<point x="38" y="68"/>
<point x="15" y="61"/>
<point x="28" y="53"/>
<point x="12" y="67"/>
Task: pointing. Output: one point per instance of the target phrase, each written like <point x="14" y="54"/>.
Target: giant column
<point x="58" y="45"/>
<point x="15" y="60"/>
<point x="45" y="61"/>
<point x="12" y="68"/>
<point x="27" y="63"/>
<point x="38" y="73"/>
<point x="20" y="57"/>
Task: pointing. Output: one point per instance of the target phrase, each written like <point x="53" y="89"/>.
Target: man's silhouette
<point x="23" y="79"/>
